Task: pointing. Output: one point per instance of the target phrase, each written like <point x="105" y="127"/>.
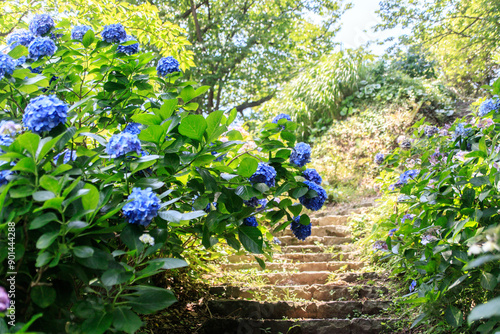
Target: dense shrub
<point x="445" y="234"/>
<point x="107" y="174"/>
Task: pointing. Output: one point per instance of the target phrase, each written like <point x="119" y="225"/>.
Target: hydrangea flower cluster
<point x="167" y="65"/>
<point x="461" y="131"/>
<point x="41" y="24"/>
<point x="4" y="299"/>
<point x="143" y="207"/>
<point x="276" y="241"/>
<point x="264" y="174"/>
<point x="79" y="31"/>
<point x="113" y="33"/>
<point x="405" y="177"/>
<point x="147" y="239"/>
<point x="487" y="106"/>
<point x="392" y="231"/>
<point x="281" y="116"/>
<point x="44" y="113"/>
<point x="255" y="202"/>
<point x="379" y="158"/>
<point x="133" y="128"/>
<point x="408" y="216"/>
<point x="9" y="128"/>
<point x="69" y="155"/>
<point x="41" y="47"/>
<point x="123" y="143"/>
<point x="413" y="285"/>
<point x="428" y="238"/>
<point x="314" y="203"/>
<point x="301" y="154"/>
<point x="405" y="144"/>
<point x="4" y="174"/>
<point x="310" y="174"/>
<point x="7" y="65"/>
<point x="300" y="231"/>
<point x="128" y="49"/>
<point x="380" y="245"/>
<point x="250" y="221"/>
<point x="430" y="130"/>
<point x="19" y="37"/>
<point x="436" y="157"/>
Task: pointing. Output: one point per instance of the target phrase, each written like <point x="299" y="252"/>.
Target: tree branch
<point x="196" y="23"/>
<point x="252" y="104"/>
<point x="2" y="34"/>
<point x="186" y="14"/>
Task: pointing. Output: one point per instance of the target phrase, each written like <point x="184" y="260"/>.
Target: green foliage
<point x="451" y="245"/>
<point x="461" y="35"/>
<point x="78" y="261"/>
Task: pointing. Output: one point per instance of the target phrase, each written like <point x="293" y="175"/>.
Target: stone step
<point x="250" y="309"/>
<point x="309" y="249"/>
<point x="324" y="231"/>
<point x="327" y="241"/>
<point x="306" y="266"/>
<point x="301" y="278"/>
<point x="300" y="257"/>
<point x="330" y="220"/>
<point x="321" y="292"/>
<point x="297" y="326"/>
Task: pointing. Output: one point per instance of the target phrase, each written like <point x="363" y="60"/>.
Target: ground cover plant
<point x="108" y="175"/>
<point x="443" y="234"/>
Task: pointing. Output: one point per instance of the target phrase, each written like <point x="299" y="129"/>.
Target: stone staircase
<point x="317" y="286"/>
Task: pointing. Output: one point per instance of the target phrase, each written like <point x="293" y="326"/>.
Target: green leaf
<point x="480" y="261"/>
<point x="208" y="180"/>
<point x="213" y="122"/>
<point x="453" y="316"/>
<point x="233" y="242"/>
<point x="485" y="311"/>
<point x="167" y="108"/>
<point x="18" y="52"/>
<point x="246" y="192"/>
<point x="27" y="165"/>
<point x="232" y="116"/>
<point x="148" y="299"/>
<point x="295" y="209"/>
<point x="247" y="167"/>
<point x="479" y="181"/>
<point x="83" y="251"/>
<point x="98" y="323"/>
<point x="97" y="261"/>
<point x="115" y="276"/>
<point x="261" y="262"/>
<point x="112" y="86"/>
<point x="251" y="238"/>
<point x="88" y="38"/>
<point x="299" y="192"/>
<point x="193" y="126"/>
<point x="42" y="220"/>
<point x="147" y="119"/>
<point x="126" y="320"/>
<point x="50" y="183"/>
<point x="46" y="239"/>
<point x="42" y="196"/>
<point x="304" y="220"/>
<point x="170" y="263"/>
<point x="43" y="295"/>
<point x="90" y="200"/>
<point x="29" y="141"/>
<point x="488" y="281"/>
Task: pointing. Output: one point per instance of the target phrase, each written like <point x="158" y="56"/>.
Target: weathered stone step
<point x="308" y="249"/>
<point x="302" y="278"/>
<point x="296" y="326"/>
<point x="306" y="266"/>
<point x="311" y="310"/>
<point x="330" y="220"/>
<point x="321" y="292"/>
<point x="325" y="231"/>
<point x="300" y="257"/>
<point x="327" y="241"/>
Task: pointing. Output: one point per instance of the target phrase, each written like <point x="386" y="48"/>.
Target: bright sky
<point x="357" y="27"/>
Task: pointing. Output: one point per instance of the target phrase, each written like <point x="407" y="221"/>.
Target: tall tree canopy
<point x="246" y="49"/>
<point x="462" y="35"/>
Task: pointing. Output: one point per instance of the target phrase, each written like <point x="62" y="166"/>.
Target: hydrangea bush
<point x="106" y="171"/>
<point x="445" y="234"/>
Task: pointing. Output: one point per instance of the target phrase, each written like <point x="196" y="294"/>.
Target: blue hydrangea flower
<point x="255" y="202"/>
<point x="310" y="174"/>
<point x="408" y="216"/>
<point x="37" y="70"/>
<point x="461" y="131"/>
<point x="7" y="65"/>
<point x="69" y="155"/>
<point x="20" y="61"/>
<point x="10" y="128"/>
<point x="314" y="203"/>
<point x="379" y="158"/>
<point x="281" y="116"/>
<point x="133" y="128"/>
<point x="391" y="232"/>
<point x="19" y="37"/>
<point x="250" y="221"/>
<point x="300" y="231"/>
<point x="276" y="241"/>
<point x="41" y="47"/>
<point x="380" y="245"/>
<point x="79" y="31"/>
<point x="264" y="174"/>
<point x="143" y="208"/>
<point x="167" y="65"/>
<point x="408" y="175"/>
<point x="301" y="155"/>
<point x="413" y="285"/>
<point x="44" y="113"/>
<point x="430" y="130"/>
<point x="5" y="140"/>
<point x="41" y="24"/>
<point x="123" y="143"/>
<point x="128" y="49"/>
<point x="487" y="106"/>
<point x="208" y="208"/>
<point x="113" y="33"/>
